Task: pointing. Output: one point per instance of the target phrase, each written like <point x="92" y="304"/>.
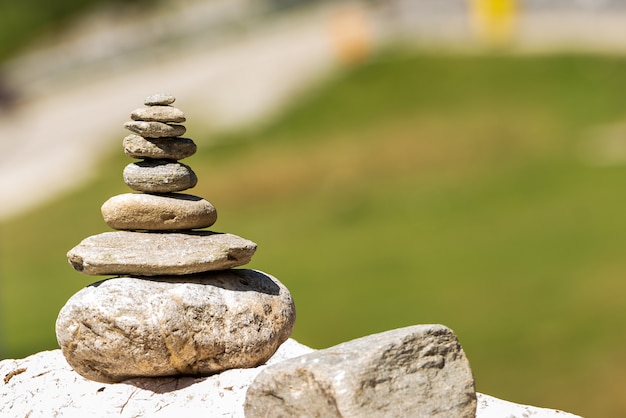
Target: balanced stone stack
<point x="177" y="305"/>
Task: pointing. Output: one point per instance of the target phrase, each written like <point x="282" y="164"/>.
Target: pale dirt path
<point x="51" y="144"/>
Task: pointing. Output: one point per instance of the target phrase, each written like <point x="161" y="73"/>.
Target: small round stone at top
<point x="159" y="99"/>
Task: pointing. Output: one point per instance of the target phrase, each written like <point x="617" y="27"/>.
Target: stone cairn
<point x="177" y="306"/>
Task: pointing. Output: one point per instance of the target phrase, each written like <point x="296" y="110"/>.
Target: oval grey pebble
<point x="159" y="99"/>
<point x="162" y="212"/>
<point x="159" y="176"/>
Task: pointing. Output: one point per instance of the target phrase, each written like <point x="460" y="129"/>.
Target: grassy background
<point x="415" y="188"/>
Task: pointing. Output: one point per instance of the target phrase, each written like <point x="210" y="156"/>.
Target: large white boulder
<point x="44" y="385"/>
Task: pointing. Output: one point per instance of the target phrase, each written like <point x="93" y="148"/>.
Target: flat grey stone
<point x="136" y="146"/>
<point x="163" y="114"/>
<point x="172" y="211"/>
<point x="418" y="371"/>
<point x="159" y="176"/>
<point x="195" y="325"/>
<point x="159" y="99"/>
<point x="154" y="253"/>
<point x="154" y="129"/>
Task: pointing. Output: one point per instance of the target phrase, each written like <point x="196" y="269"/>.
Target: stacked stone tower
<point x="177" y="306"/>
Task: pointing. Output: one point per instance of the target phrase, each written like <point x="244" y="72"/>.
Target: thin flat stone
<point x="165" y="114"/>
<point x="154" y="129"/>
<point x="172" y="211"/>
<point x="157" y="253"/>
<point x="131" y="327"/>
<point x="136" y="146"/>
<point x="159" y="176"/>
<point x="159" y="99"/>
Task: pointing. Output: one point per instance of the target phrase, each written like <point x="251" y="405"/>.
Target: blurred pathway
<point x="51" y="142"/>
<point x="225" y="71"/>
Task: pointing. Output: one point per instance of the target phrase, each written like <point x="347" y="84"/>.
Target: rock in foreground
<point x="44" y="385"/>
<point x="418" y="371"/>
<point x="137" y="327"/>
<point x="155" y="253"/>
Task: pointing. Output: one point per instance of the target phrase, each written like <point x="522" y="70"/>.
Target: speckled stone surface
<point x="159" y="253"/>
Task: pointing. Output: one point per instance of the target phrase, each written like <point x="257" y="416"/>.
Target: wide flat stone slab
<point x="159" y="253"/>
<point x="418" y="371"/>
<point x="162" y="212"/>
<point x="136" y="146"/>
<point x="195" y="325"/>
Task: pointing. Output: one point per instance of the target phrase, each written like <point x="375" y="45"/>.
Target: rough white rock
<point x="44" y="385"/>
<point x="418" y="371"/>
<point x="166" y="326"/>
<point x="490" y="407"/>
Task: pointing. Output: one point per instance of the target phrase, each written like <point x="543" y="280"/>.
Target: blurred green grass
<point x="414" y="188"/>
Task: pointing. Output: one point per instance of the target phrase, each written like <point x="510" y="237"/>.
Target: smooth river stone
<point x="159" y="176"/>
<point x="163" y="114"/>
<point x="136" y="146"/>
<point x="131" y="327"/>
<point x="172" y="211"/>
<point x="154" y="129"/>
<point x="159" y="99"/>
<point x="159" y="253"/>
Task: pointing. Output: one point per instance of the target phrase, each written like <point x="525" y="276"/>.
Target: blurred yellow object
<point x="351" y="34"/>
<point x="494" y="21"/>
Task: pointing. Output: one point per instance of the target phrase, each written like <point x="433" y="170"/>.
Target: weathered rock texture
<point x="136" y="146"/>
<point x="154" y="129"/>
<point x="159" y="176"/>
<point x="490" y="407"/>
<point x="418" y="371"/>
<point x="165" y="114"/>
<point x="171" y="211"/>
<point x="44" y="385"/>
<point x="155" y="253"/>
<point x="159" y="99"/>
<point x="128" y="327"/>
